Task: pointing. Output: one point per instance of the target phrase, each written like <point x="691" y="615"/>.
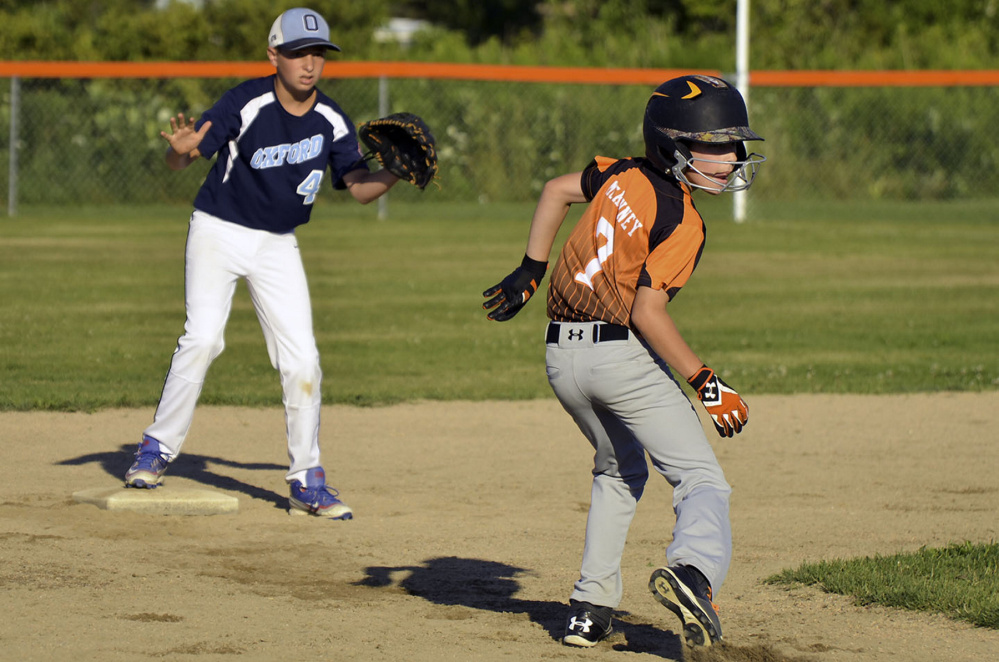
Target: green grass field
<point x="827" y="298"/>
<point x="961" y="581"/>
<point x="831" y="298"/>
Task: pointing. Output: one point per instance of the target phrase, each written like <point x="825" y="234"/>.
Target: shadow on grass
<point x="491" y="586"/>
<point x="199" y="468"/>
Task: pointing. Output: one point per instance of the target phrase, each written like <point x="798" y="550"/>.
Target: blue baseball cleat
<point x="149" y="466"/>
<point x="317" y="498"/>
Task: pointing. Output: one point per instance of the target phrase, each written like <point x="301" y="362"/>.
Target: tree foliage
<point x="479" y="20"/>
<point x="893" y="144"/>
<point x="786" y="34"/>
<point x="137" y="30"/>
<point x="869" y="34"/>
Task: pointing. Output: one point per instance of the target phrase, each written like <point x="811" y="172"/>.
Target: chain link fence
<point x="96" y="141"/>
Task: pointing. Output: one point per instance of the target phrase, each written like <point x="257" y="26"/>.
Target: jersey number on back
<point x="596" y="265"/>
<point x="310" y="186"/>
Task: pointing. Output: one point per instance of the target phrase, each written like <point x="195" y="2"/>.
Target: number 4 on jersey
<point x="310" y="186"/>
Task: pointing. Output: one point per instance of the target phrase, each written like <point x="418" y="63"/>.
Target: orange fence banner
<point x="926" y="78"/>
<point x="335" y="69"/>
<point x="496" y="72"/>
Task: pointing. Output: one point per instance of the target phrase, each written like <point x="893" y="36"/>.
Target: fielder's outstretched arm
<point x="366" y="186"/>
<point x="184" y="141"/>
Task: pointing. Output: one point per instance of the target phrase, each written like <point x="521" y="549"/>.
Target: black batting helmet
<point x="699" y="109"/>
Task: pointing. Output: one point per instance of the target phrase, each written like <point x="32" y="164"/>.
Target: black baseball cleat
<point x="678" y="590"/>
<point x="587" y="624"/>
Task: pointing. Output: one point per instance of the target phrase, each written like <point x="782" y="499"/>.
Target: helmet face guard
<point x="740" y="179"/>
<point x="699" y="109"/>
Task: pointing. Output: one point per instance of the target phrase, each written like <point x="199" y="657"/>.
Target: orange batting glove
<point x="727" y="409"/>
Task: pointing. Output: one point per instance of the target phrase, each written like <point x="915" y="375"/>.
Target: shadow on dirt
<point x="491" y="586"/>
<point x="198" y="468"/>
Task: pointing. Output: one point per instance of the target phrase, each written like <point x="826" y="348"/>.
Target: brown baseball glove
<point x="403" y="145"/>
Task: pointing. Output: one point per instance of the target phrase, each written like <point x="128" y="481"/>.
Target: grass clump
<point x="960" y="581"/>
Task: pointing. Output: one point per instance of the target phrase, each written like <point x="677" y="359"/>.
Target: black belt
<point x="601" y="332"/>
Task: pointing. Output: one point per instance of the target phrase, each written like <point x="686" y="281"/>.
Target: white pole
<point x="741" y="82"/>
<point x="383" y="106"/>
<point x="15" y="109"/>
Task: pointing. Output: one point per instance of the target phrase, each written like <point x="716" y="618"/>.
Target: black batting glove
<point x="509" y="296"/>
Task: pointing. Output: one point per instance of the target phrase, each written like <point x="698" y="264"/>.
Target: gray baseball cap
<point x="300" y="28"/>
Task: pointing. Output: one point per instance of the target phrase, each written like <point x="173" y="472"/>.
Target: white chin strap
<point x="739" y="180"/>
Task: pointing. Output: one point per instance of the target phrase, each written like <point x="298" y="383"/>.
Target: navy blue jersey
<point x="271" y="163"/>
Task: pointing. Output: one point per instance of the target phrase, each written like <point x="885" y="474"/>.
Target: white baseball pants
<point x="625" y="401"/>
<point x="218" y="254"/>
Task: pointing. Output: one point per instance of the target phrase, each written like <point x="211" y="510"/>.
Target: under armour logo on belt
<point x="573" y="336"/>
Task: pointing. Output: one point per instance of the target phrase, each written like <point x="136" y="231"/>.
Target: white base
<point x="159" y="501"/>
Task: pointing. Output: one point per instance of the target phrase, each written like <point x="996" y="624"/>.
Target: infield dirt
<point x="468" y="532"/>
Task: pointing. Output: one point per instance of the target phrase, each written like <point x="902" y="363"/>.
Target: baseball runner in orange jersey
<point x="612" y="346"/>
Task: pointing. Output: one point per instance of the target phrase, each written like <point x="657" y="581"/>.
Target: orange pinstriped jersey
<point x="640" y="228"/>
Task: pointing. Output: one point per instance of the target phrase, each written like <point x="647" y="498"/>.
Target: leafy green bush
<point x="98" y="141"/>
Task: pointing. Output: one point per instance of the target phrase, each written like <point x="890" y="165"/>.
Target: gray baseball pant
<point x="626" y="402"/>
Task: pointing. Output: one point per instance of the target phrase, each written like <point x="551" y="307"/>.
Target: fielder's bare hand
<point x="726" y="408"/>
<point x="184" y="140"/>
<point x="510" y="295"/>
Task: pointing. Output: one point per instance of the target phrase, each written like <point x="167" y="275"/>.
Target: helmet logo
<point x="693" y="94"/>
<point x="694" y="91"/>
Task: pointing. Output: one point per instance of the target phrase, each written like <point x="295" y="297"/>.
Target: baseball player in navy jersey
<point x="273" y="139"/>
<point x="612" y="347"/>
